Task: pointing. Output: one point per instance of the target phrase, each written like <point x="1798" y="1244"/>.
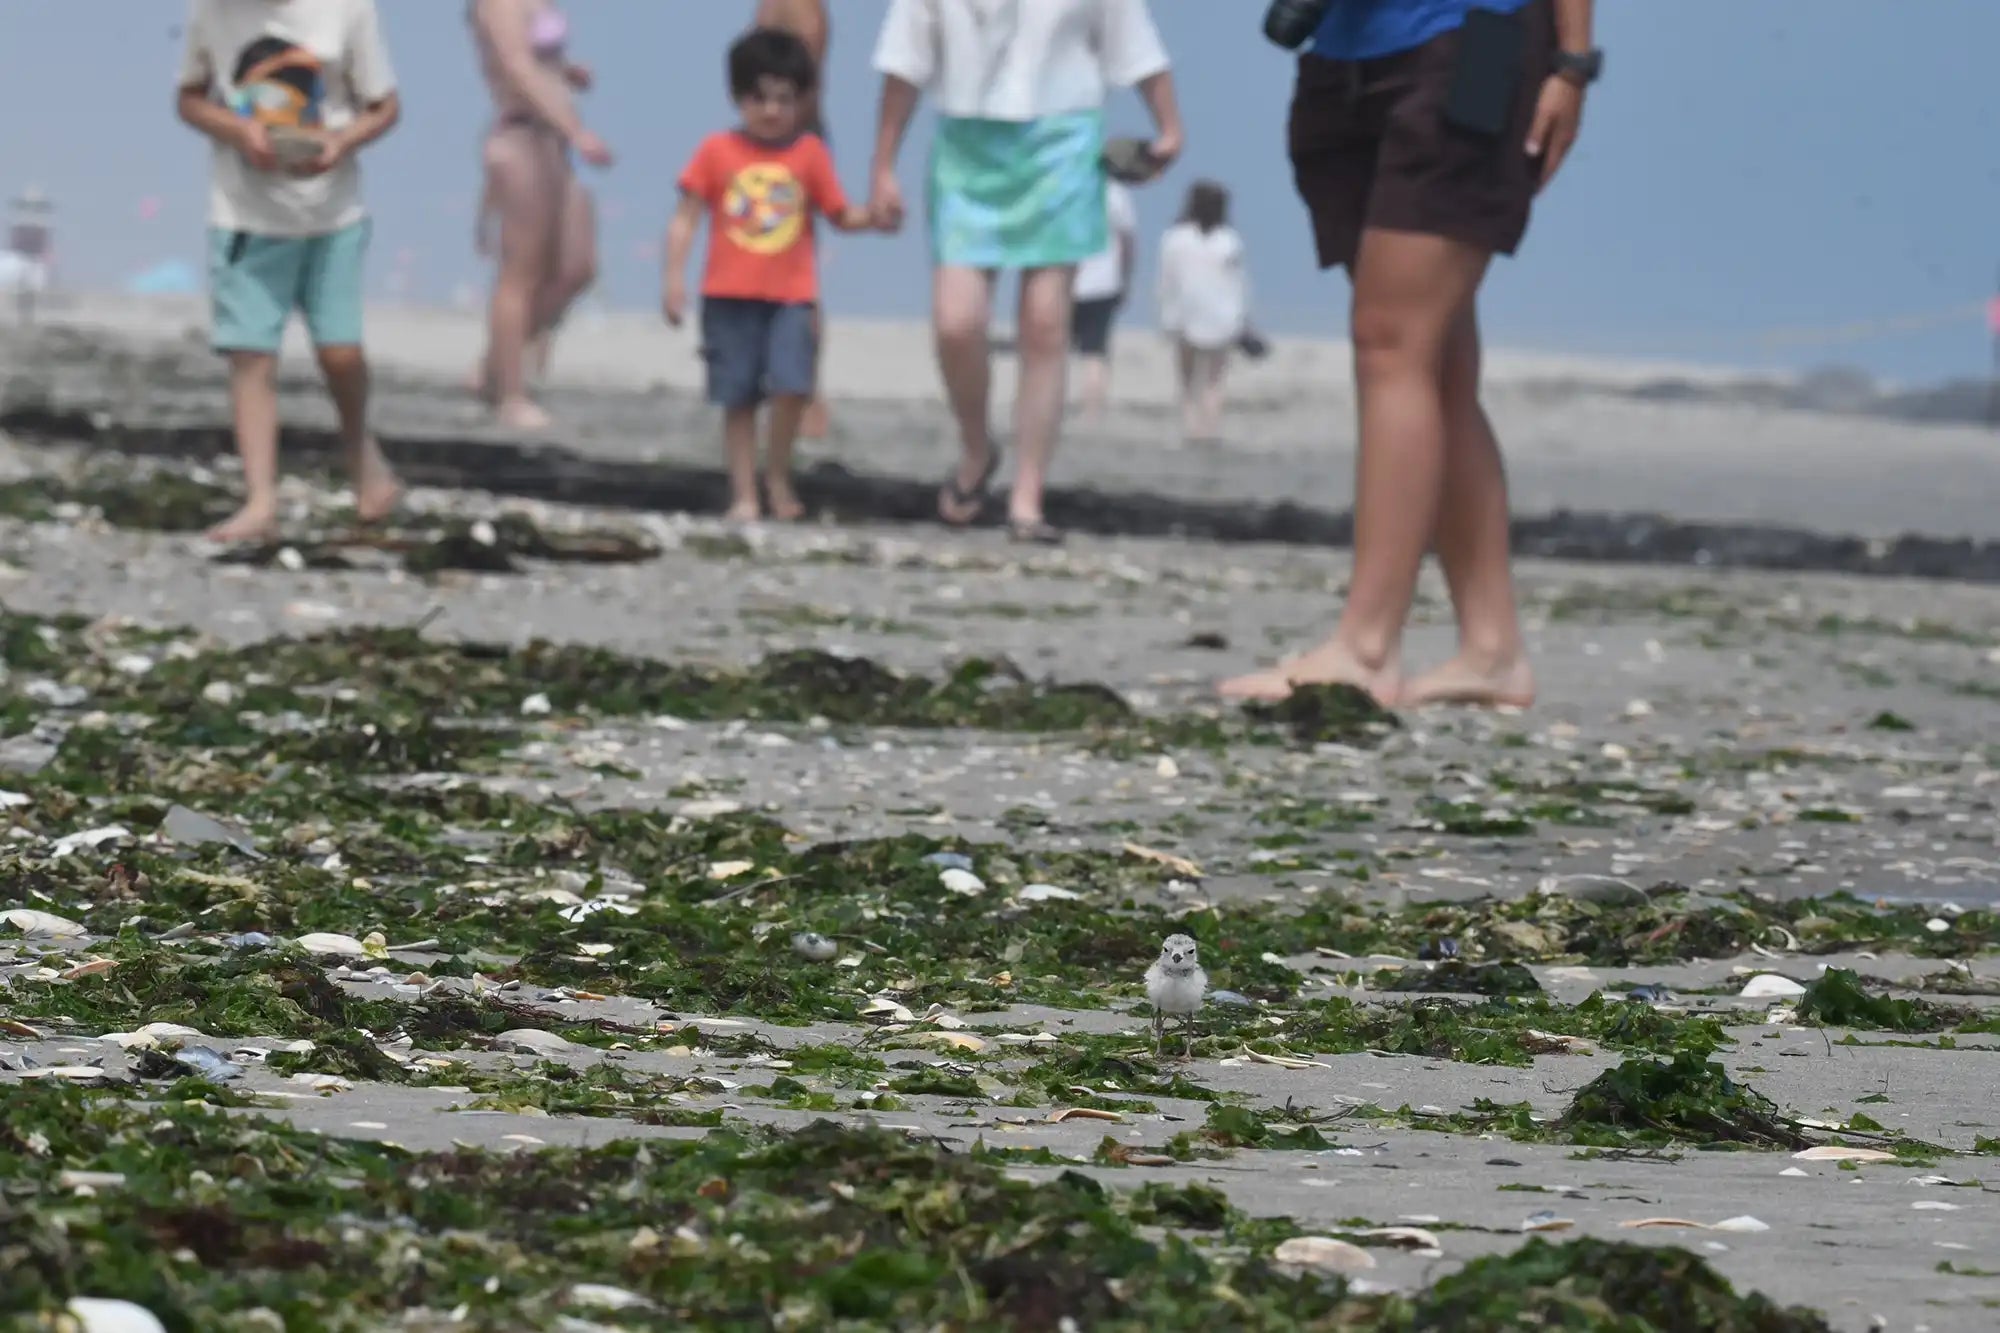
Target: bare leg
<point x="574" y="271"/>
<point x="962" y="305"/>
<point x="739" y="439"/>
<point x="253" y="401"/>
<point x="1094" y="374"/>
<point x="1472" y="545"/>
<point x="1038" y="405"/>
<point x="781" y="433"/>
<point x="1410" y="291"/>
<point x="1184" y="361"/>
<point x="1214" y="367"/>
<point x="376" y="489"/>
<point x="520" y="163"/>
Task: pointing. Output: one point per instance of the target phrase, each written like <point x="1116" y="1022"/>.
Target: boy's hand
<point x="334" y="148"/>
<point x="254" y="145"/>
<point x="675" y="301"/>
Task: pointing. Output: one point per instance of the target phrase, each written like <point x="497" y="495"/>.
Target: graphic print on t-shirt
<point x="278" y="84"/>
<point x="764" y="208"/>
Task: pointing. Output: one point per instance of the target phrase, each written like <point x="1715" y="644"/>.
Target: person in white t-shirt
<point x="1204" y="303"/>
<point x="1017" y="181"/>
<point x="1101" y="283"/>
<point x="289" y="91"/>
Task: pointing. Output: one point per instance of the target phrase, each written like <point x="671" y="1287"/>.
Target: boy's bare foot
<point x="1332" y="663"/>
<point x="786" y="507"/>
<point x="1477" y="681"/>
<point x="256" y="521"/>
<point x="743" y="511"/>
<point x="377" y="492"/>
<point x="520" y="414"/>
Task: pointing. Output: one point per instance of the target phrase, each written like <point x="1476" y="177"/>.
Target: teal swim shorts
<point x="256" y="282"/>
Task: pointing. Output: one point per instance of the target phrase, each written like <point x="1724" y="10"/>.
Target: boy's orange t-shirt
<point x="761" y="200"/>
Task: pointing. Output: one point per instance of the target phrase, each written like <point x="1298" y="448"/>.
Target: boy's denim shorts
<point x="256" y="282"/>
<point x="757" y="350"/>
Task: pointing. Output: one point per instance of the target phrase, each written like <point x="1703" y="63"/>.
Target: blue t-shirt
<point x="1365" y="29"/>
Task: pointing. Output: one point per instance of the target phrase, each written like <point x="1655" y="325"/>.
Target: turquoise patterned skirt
<point x="1018" y="194"/>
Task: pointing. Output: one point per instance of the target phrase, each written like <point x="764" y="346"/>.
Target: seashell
<point x="1231" y="997"/>
<point x="598" y="1296"/>
<point x="962" y="1041"/>
<point x="1409" y="1238"/>
<point x="1283" y="1061"/>
<point x="15" y="1028"/>
<point x="730" y="869"/>
<point x="1084" y="1113"/>
<point x="1167" y="768"/>
<point x="813" y="946"/>
<point x="887" y="1009"/>
<point x="324" y="944"/>
<point x="1547" y="1221"/>
<point x="961" y="881"/>
<point x="205" y="1063"/>
<point x="1840" y="1152"/>
<point x="588" y="909"/>
<point x="191" y="828"/>
<point x="1638" y="1222"/>
<point x="96" y="1315"/>
<point x="322" y="1083"/>
<point x="249" y="939"/>
<point x="29" y="921"/>
<point x="1606" y="889"/>
<point x="1179" y="865"/>
<point x="152" y="1035"/>
<point x="1574" y="1045"/>
<point x="1026" y="1039"/>
<point x="89" y="838"/>
<point x="1038" y="893"/>
<point x="536" y="705"/>
<point x="595" y="950"/>
<point x="67" y="1073"/>
<point x="532" y="1041"/>
<point x="949" y="860"/>
<point x="1743" y="1223"/>
<point x="1937" y="925"/>
<point x="1325" y="1254"/>
<point x="90" y="1180"/>
<point x="1769" y="985"/>
<point x="90" y="969"/>
<point x="1934" y="1205"/>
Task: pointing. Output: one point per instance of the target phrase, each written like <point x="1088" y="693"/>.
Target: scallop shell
<point x="1325" y="1254"/>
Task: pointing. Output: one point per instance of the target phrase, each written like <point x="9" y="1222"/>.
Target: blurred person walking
<point x="1204" y="304"/>
<point x="1420" y="135"/>
<point x="1099" y="293"/>
<point x="1016" y="181"/>
<point x="547" y="245"/>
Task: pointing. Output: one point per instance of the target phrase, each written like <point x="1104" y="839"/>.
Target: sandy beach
<point x="1741" y="782"/>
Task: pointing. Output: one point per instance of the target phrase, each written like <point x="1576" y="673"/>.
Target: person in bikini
<point x="547" y="248"/>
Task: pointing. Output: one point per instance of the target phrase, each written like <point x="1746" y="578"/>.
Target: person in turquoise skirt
<point x="1017" y="182"/>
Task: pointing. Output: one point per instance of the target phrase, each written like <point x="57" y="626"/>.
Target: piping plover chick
<point x="1175" y="984"/>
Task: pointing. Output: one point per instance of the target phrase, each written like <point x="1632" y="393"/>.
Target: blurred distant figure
<point x="30" y="252"/>
<point x="547" y="224"/>
<point x="289" y="95"/>
<point x="808" y="21"/>
<point x="1101" y="283"/>
<point x="1204" y="303"/>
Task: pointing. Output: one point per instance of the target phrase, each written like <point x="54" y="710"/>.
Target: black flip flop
<point x="976" y="498"/>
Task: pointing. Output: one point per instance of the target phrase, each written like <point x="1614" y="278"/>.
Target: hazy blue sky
<point x="1748" y="166"/>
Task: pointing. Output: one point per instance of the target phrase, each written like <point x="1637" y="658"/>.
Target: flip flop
<point x="975" y="498"/>
<point x="1041" y="532"/>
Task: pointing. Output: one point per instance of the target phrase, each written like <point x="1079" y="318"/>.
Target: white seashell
<point x="322" y="1082"/>
<point x="90" y="837"/>
<point x="1283" y="1061"/>
<point x="1413" y="1238"/>
<point x="886" y="1008"/>
<point x="290" y="558"/>
<point x="814" y="947"/>
<point x="29" y="921"/>
<point x="1840" y="1152"/>
<point x="1638" y="708"/>
<point x="535" y="705"/>
<point x="1744" y="1223"/>
<point x="1937" y="925"/>
<point x="329" y="945"/>
<point x="1036" y="893"/>
<point x="67" y="1073"/>
<point x="1325" y="1254"/>
<point x="152" y="1035"/>
<point x="1934" y="1206"/>
<point x="1167" y="768"/>
<point x="1769" y="985"/>
<point x="961" y="1041"/>
<point x="961" y="881"/>
<point x="730" y="869"/>
<point x="102" y="1316"/>
<point x="1794" y="1171"/>
<point x="598" y="1296"/>
<point x="1547" y="1222"/>
<point x="533" y="1041"/>
<point x="14" y="800"/>
<point x="1084" y="1113"/>
<point x="1026" y="1039"/>
<point x="90" y="1180"/>
<point x="484" y="533"/>
<point x="219" y="692"/>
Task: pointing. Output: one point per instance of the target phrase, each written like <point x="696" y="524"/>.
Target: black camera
<point x="1292" y="23"/>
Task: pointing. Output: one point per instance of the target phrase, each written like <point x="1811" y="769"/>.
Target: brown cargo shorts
<point x="1370" y="147"/>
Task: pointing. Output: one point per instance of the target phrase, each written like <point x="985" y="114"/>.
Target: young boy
<point x="761" y="184"/>
<point x="290" y="91"/>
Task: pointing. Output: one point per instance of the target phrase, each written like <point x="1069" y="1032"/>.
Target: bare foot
<point x="1479" y="682"/>
<point x="520" y="414"/>
<point x="254" y="522"/>
<point x="1329" y="664"/>
<point x="743" y="511"/>
<point x="817" y="423"/>
<point x="786" y="507"/>
<point x="377" y="492"/>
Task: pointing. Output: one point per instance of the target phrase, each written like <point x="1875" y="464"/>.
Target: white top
<point x="298" y="64"/>
<point x="1102" y="276"/>
<point x="1019" y="59"/>
<point x="1204" y="285"/>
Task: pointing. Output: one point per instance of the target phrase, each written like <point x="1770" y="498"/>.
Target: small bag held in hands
<point x="1130" y="161"/>
<point x="293" y="148"/>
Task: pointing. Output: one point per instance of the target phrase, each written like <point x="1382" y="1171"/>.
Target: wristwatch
<point x="1581" y="68"/>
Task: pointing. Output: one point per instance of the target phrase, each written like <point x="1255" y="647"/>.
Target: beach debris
<point x="199" y="1061"/>
<point x="532" y="1041"/>
<point x="1841" y="1152"/>
<point x="1546" y="1220"/>
<point x="598" y="1296"/>
<point x="31" y="921"/>
<point x="323" y="944"/>
<point x="96" y="1314"/>
<point x="1437" y="950"/>
<point x="1318" y="714"/>
<point x="1083" y="1113"/>
<point x="1235" y="999"/>
<point x="1178" y="865"/>
<point x="1650" y="993"/>
<point x="1421" y="1241"/>
<point x="1742" y="1224"/>
<point x="89" y="839"/>
<point x="1769" y="985"/>
<point x="887" y="1010"/>
<point x="191" y="828"/>
<point x="152" y="1035"/>
<point x="1324" y="1254"/>
<point x="949" y="860"/>
<point x="961" y="882"/>
<point x="1607" y="890"/>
